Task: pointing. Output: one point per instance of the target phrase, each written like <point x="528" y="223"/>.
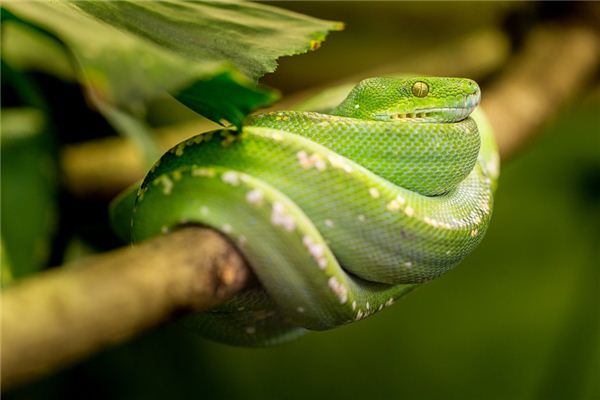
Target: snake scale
<point x="340" y="213"/>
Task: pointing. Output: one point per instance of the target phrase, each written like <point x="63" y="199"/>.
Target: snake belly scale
<point x="338" y="214"/>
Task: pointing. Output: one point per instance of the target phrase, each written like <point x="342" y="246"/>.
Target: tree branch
<point x="65" y="314"/>
<point x="554" y="67"/>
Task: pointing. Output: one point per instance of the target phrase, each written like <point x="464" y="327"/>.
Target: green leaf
<point x="128" y="53"/>
<point x="28" y="192"/>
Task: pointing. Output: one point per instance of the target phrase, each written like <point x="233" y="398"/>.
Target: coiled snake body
<point x="338" y="214"/>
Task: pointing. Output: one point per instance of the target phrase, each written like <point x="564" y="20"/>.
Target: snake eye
<point x="420" y="89"/>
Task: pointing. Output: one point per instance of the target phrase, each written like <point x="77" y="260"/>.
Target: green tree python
<point x="339" y="213"/>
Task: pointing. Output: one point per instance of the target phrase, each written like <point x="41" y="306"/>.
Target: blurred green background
<point x="519" y="319"/>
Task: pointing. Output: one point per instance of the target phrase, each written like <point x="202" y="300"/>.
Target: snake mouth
<point x="450" y="113"/>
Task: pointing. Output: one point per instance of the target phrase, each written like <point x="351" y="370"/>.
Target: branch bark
<point x="65" y="314"/>
<point x="554" y="67"/>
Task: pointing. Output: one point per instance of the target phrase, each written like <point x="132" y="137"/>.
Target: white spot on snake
<point x="393" y="205"/>
<point x="226" y="228"/>
<point x="250" y="330"/>
<point x="203" y="210"/>
<point x="255" y="197"/>
<point x="432" y="222"/>
<point x="374" y="193"/>
<point x="166" y="182"/>
<point x="380" y="307"/>
<point x="277" y="136"/>
<point x="231" y="177"/>
<point x="357" y="106"/>
<point x="279" y="217"/>
<point x="320" y="164"/>
<point x="409" y="211"/>
<point x="408" y="264"/>
<point x="303" y="159"/>
<point x="316" y="250"/>
<point x="199" y="171"/>
<point x="339" y="289"/>
<point x="329" y="223"/>
<point x="241" y="308"/>
<point x="164" y="229"/>
<point x="339" y="162"/>
<point x="368" y="305"/>
<point x="307" y="161"/>
<point x="300" y="309"/>
<point x="361" y="218"/>
<point x="353" y="305"/>
<point x="389" y="302"/>
<point x="474" y="233"/>
<point x="242" y="241"/>
<point x="179" y="149"/>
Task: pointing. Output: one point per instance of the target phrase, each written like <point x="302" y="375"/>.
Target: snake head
<point x="414" y="99"/>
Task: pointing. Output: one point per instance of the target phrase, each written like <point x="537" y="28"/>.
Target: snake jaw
<point x="447" y="113"/>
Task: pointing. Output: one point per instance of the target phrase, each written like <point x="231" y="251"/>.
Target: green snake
<point x="339" y="213"/>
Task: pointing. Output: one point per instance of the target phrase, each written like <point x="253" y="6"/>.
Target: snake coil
<point x="340" y="213"/>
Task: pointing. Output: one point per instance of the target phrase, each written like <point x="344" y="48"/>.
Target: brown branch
<point x="60" y="316"/>
<point x="65" y="314"/>
<point x="553" y="68"/>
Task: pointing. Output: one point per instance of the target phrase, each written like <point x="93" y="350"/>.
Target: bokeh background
<point x="518" y="319"/>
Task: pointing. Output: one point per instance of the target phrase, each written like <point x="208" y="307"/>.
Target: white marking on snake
<point x="316" y="250"/>
<point x="255" y="197"/>
<point x="339" y="289"/>
<point x="167" y="184"/>
<point x="314" y="160"/>
<point x="279" y="217"/>
<point x="353" y="305"/>
<point x="250" y="330"/>
<point x="389" y="302"/>
<point x="277" y="136"/>
<point x="393" y="205"/>
<point x="231" y="177"/>
<point x="361" y="218"/>
<point x="374" y="193"/>
<point x="300" y="309"/>
<point x="204" y="210"/>
<point x="164" y="229"/>
<point x="226" y="228"/>
<point x="179" y="149"/>
<point x="200" y="171"/>
<point x="409" y="211"/>
<point x="408" y="264"/>
<point x="319" y="163"/>
<point x="339" y="162"/>
<point x="329" y="223"/>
